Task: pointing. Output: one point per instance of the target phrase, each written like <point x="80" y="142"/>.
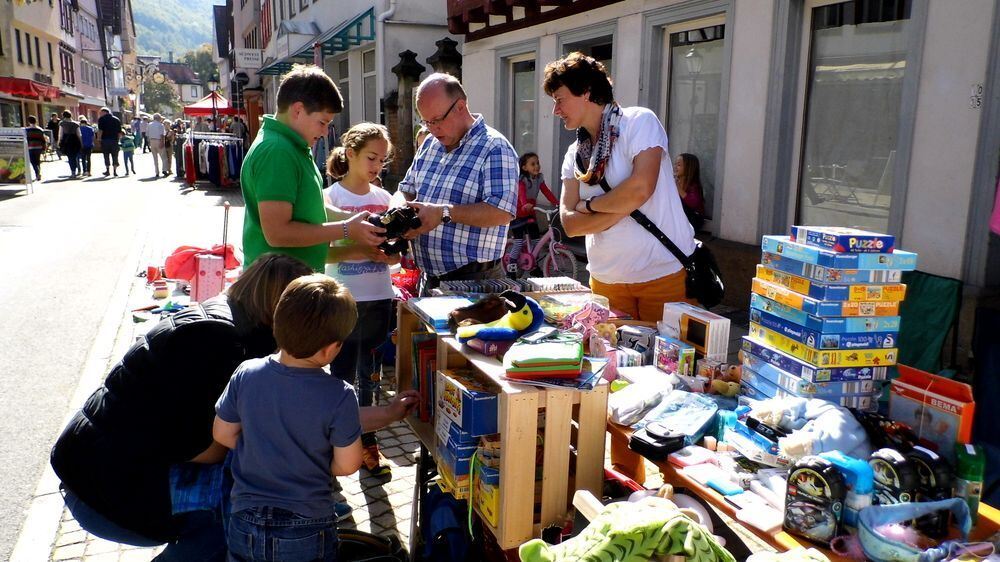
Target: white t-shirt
<point x="627" y="252"/>
<point x="155" y="130"/>
<point x="367" y="280"/>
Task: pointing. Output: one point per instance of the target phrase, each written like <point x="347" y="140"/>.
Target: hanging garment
<point x="190" y="172"/>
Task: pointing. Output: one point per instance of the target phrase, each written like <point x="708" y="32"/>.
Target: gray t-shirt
<point x="291" y="420"/>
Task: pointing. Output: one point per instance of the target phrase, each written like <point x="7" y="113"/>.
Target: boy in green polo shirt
<point x="282" y="188"/>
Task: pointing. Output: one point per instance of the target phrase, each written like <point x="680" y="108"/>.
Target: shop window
<point x="342" y="121"/>
<point x="10" y="115"/>
<point x="854" y="85"/>
<point x="523" y="94"/>
<point x="371" y="96"/>
<point x="694" y="87"/>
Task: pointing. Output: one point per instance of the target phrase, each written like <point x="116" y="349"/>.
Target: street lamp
<point x="213" y="83"/>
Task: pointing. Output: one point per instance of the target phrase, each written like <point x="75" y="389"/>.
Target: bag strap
<point x="644" y="222"/>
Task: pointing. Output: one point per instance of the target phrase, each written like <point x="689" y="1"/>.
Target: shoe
<point x="107" y="172"/>
<point x="165" y="174"/>
<point x="373" y="461"/>
<point x="126" y="174"/>
<point x="342" y="511"/>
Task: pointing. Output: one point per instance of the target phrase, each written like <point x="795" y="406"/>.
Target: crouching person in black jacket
<point x="138" y="463"/>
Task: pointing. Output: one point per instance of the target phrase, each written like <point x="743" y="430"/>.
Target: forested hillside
<point x="180" y="26"/>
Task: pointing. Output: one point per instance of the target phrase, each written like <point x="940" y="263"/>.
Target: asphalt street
<point x="64" y="250"/>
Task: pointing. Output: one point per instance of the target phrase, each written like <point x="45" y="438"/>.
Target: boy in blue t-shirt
<point x="292" y="424"/>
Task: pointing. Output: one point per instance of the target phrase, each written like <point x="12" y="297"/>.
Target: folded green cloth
<point x="559" y="350"/>
<point x="632" y="532"/>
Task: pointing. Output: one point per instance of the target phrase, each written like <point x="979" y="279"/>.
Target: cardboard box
<point x="487" y="497"/>
<point x="820" y="340"/>
<point x="844" y="240"/>
<point x="939" y="410"/>
<point x="783" y="245"/>
<point x="825" y="325"/>
<point x="674" y="356"/>
<point x="824" y="358"/>
<point x="465" y="401"/>
<point x="706" y="331"/>
<point x="811" y="373"/>
<point x="829" y="274"/>
<point x="820" y="308"/>
<point x="867" y="292"/>
<point x="209" y="278"/>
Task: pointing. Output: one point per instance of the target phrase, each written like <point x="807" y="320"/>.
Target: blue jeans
<point x="360" y="359"/>
<point x="271" y="534"/>
<point x="129" y="161"/>
<point x="201" y="536"/>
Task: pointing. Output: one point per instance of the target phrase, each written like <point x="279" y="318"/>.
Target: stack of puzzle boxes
<point x="824" y="315"/>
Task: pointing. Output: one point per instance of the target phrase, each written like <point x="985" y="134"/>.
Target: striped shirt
<point x="483" y="168"/>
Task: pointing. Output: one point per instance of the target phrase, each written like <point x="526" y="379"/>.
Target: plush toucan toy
<point x="523" y="316"/>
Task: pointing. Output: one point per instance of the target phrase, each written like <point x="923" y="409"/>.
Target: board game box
<point x="829" y="275"/>
<point x="817" y="307"/>
<point x="811" y="373"/>
<point x="824" y="358"/>
<point x="783" y="245"/>
<point x="820" y="340"/>
<point x="825" y="325"/>
<point x="844" y="240"/>
<point x="833" y="291"/>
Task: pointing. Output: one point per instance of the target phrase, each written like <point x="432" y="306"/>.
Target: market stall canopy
<point x="204" y="108"/>
<point x="28" y="88"/>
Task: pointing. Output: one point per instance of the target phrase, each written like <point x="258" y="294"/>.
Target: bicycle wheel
<point x="559" y="263"/>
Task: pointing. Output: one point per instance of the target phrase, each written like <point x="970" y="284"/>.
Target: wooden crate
<point x="574" y="437"/>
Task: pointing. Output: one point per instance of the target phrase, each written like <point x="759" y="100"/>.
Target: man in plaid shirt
<point x="463" y="183"/>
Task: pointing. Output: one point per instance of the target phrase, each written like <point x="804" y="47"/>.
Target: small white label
<point x="970" y="449"/>
<point x="976" y="97"/>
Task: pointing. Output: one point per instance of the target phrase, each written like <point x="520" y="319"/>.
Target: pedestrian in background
<point x="37" y="142"/>
<point x="87" y="134"/>
<point x="144" y="129"/>
<point x="179" y="134"/>
<point x="128" y="150"/>
<point x="70" y="142"/>
<point x="111" y="128"/>
<point x="168" y="147"/>
<point x="53" y="126"/>
<point x="154" y="136"/>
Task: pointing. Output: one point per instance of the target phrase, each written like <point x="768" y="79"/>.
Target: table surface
<point x="989" y="517"/>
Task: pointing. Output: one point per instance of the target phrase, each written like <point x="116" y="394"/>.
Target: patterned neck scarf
<point x="597" y="153"/>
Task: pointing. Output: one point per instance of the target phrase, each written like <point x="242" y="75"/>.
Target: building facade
<point x="871" y="114"/>
<point x="63" y="55"/>
<point x="357" y="42"/>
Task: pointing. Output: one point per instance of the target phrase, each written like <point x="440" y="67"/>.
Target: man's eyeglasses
<point x="436" y="122"/>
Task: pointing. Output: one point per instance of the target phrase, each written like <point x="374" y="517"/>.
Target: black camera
<point x="396" y="222"/>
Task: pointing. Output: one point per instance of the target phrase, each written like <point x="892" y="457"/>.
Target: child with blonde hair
<point x="355" y="166"/>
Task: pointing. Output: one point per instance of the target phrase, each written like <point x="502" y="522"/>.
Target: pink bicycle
<point x="552" y="256"/>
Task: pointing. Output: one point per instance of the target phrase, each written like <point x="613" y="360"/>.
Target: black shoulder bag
<point x="704" y="280"/>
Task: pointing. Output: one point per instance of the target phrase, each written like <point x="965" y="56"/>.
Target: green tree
<point x="200" y="60"/>
<point x="158" y="97"/>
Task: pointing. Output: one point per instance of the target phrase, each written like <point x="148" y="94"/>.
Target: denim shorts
<point x="270" y="534"/>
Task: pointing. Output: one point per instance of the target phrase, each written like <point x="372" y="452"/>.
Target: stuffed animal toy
<point x="396" y="222"/>
<point x="487" y="309"/>
<point x="523" y="316"/>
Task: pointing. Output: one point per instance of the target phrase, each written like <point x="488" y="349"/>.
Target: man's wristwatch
<point x="446" y="214"/>
<point x="587" y="205"/>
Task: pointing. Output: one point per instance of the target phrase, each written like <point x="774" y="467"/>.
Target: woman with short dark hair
<point x="625" y="148"/>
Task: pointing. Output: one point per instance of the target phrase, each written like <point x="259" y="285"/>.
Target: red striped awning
<point x="27" y="88"/>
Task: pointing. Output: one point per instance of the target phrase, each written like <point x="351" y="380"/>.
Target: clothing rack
<point x="230" y="161"/>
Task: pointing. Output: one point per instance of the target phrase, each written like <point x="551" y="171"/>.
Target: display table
<point x="573" y="438"/>
<point x="989" y="517"/>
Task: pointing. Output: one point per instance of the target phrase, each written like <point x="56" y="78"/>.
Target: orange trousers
<point x="644" y="301"/>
